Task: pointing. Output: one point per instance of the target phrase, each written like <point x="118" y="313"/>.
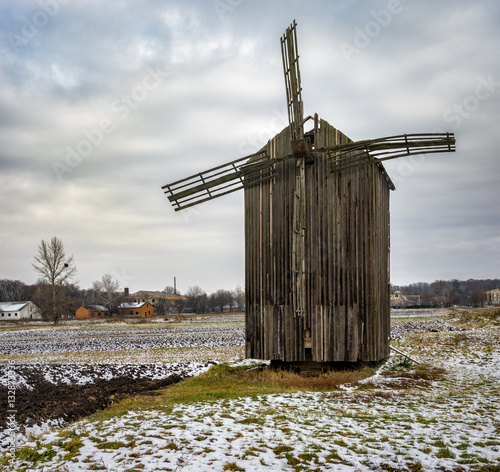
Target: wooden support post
<point x="404" y="355"/>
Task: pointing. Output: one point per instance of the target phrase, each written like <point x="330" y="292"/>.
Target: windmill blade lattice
<point x="220" y="180"/>
<point x="290" y="56"/>
<point x="362" y="153"/>
<point x="258" y="167"/>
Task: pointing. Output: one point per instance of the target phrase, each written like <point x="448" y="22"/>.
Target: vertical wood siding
<point x="317" y="270"/>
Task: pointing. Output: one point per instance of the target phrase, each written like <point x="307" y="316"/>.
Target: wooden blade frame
<point x="258" y="167"/>
<point x="290" y="55"/>
<point x="362" y="153"/>
<point x="220" y="180"/>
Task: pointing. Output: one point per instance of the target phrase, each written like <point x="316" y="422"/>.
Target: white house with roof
<point x="14" y="311"/>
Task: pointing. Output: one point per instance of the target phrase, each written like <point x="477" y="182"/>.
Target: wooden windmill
<point x="316" y="233"/>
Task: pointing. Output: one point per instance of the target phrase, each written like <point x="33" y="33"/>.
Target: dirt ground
<point x="48" y="401"/>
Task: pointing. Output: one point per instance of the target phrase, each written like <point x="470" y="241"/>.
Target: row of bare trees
<point x="197" y="300"/>
<point x="471" y="292"/>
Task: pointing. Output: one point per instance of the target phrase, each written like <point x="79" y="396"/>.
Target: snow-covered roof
<point x="96" y="308"/>
<point x="12" y="306"/>
<point x="132" y="305"/>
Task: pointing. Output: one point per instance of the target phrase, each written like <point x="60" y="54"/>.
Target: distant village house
<point x="152" y="297"/>
<point x="86" y="312"/>
<point x="144" y="309"/>
<point x="493" y="297"/>
<point x="13" y="311"/>
<point x="398" y="300"/>
<point x="162" y="302"/>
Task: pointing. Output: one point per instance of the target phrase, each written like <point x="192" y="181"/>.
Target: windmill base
<point x="312" y="368"/>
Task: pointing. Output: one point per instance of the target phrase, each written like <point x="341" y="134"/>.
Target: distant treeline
<point x="471" y="292"/>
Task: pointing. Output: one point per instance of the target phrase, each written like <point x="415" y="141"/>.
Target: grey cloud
<point x="220" y="92"/>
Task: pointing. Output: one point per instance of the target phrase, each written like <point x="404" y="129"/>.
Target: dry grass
<point x="477" y="316"/>
<point x="324" y="381"/>
<point x="420" y="372"/>
<point x="401" y="377"/>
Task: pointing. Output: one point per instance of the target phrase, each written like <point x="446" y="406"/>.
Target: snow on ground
<point x="435" y="427"/>
<point x="392" y="421"/>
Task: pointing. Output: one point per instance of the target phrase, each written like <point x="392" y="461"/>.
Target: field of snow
<point x="198" y="340"/>
<point x="48" y="341"/>
<point x="441" y="415"/>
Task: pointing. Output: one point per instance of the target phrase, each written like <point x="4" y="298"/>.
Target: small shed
<point x="13" y="311"/>
<point x="86" y="312"/>
<point x="144" y="309"/>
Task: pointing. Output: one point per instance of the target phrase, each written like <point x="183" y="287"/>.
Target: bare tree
<point x="221" y="298"/>
<point x="477" y="297"/>
<point x="57" y="270"/>
<point x="197" y="299"/>
<point x="68" y="299"/>
<point x="107" y="292"/>
<point x="12" y="290"/>
<point x="239" y="297"/>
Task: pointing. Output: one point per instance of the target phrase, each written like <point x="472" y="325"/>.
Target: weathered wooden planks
<point x="317" y="258"/>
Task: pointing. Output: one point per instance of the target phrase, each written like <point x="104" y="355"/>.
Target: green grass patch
<point x="35" y="454"/>
<point x="445" y="453"/>
<point x="111" y="445"/>
<point x="223" y="382"/>
<point x="282" y="449"/>
<point x="233" y="467"/>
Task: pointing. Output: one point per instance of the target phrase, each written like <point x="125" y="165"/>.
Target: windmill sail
<point x="361" y="153"/>
<point x="220" y="180"/>
<point x="258" y="167"/>
<point x="290" y="55"/>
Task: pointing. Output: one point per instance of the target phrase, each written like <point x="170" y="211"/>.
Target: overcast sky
<point x="102" y="103"/>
